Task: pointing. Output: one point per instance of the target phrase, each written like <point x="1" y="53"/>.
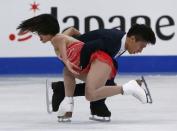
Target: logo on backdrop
<point x="119" y="20"/>
<point x="21" y="37"/>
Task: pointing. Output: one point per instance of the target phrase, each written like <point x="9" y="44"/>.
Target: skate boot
<point x="134" y="88"/>
<point x="66" y="109"/>
<point x="99" y="111"/>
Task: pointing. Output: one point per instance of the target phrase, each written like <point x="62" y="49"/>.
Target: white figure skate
<point x="66" y="109"/>
<point x="135" y="88"/>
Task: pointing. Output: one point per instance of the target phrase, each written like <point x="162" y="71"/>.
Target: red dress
<point x="73" y="54"/>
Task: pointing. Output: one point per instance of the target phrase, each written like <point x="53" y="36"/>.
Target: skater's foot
<point x="134" y="88"/>
<point x="66" y="108"/>
<point x="99" y="111"/>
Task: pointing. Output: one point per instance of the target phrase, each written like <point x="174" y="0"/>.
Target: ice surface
<point x="23" y="107"/>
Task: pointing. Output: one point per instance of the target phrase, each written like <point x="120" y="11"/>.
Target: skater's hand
<point x="72" y="67"/>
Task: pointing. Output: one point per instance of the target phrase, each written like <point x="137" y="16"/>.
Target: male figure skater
<point x="98" y="107"/>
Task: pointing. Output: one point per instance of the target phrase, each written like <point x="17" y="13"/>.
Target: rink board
<point x="51" y="65"/>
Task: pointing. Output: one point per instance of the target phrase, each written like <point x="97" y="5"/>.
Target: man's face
<point x="134" y="46"/>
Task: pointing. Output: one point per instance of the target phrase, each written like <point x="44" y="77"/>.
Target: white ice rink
<point x="23" y="108"/>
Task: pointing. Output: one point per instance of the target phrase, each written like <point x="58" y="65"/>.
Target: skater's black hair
<point x="45" y="24"/>
<point x="142" y="33"/>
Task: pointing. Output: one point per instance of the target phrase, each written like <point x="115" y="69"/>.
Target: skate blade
<point x="65" y="118"/>
<point x="48" y="102"/>
<point x="100" y="119"/>
<point x="147" y="91"/>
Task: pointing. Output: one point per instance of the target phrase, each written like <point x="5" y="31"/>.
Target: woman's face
<point x="45" y="38"/>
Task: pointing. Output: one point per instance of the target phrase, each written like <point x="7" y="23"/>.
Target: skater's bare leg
<point x="67" y="105"/>
<point x="95" y="89"/>
<point x="69" y="83"/>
